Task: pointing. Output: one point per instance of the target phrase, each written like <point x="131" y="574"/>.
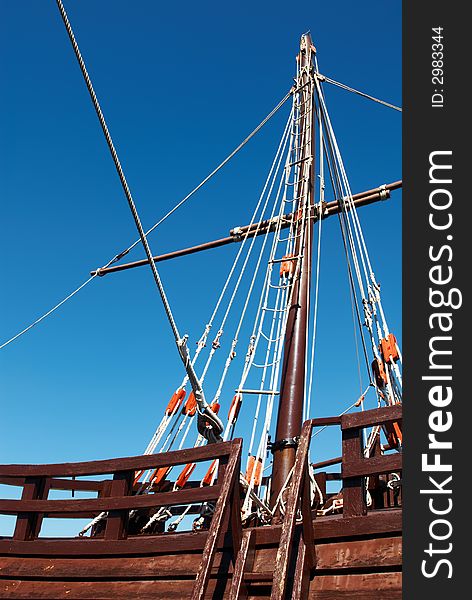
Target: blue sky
<point x="180" y="85"/>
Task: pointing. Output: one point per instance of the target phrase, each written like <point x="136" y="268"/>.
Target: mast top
<point x="306" y="43"/>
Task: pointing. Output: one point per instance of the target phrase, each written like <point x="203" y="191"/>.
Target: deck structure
<point x="354" y="554"/>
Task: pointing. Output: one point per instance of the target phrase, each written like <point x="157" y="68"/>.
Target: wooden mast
<point x="290" y="411"/>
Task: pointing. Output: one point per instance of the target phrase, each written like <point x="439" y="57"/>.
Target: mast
<point x="290" y="411"/>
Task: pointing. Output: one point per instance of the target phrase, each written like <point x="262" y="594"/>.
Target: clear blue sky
<point x="181" y="84"/>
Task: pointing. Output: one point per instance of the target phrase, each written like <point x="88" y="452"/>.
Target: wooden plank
<point x="337" y="526"/>
<point x="334" y="476"/>
<point x="301" y="579"/>
<point x="378" y="553"/>
<point x="117" y="520"/>
<point x="231" y="478"/>
<point x="79" y="568"/>
<point x="179" y="542"/>
<point x="374" y="586"/>
<point x="325" y="421"/>
<point x="360" y="554"/>
<point x="307" y="525"/>
<point x="235" y="519"/>
<point x="387" y="594"/>
<point x="369" y="584"/>
<point x="327" y="528"/>
<point x="354" y="503"/>
<point x="78" y="485"/>
<point x="328" y="463"/>
<point x="136" y="463"/>
<point x="185" y="496"/>
<point x="376" y="465"/>
<point x="373" y="416"/>
<point x="288" y="527"/>
<point x="244" y="562"/>
<point x="59" y="484"/>
<point x="28" y="524"/>
<point x="162" y="589"/>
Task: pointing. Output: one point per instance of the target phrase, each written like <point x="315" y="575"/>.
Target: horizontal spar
<point x="239" y="233"/>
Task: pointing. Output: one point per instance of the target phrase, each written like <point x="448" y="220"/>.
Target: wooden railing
<point x="116" y="497"/>
<point x="355" y="469"/>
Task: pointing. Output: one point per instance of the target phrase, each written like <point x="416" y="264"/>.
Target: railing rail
<point x="115" y="496"/>
<point x="113" y="465"/>
<point x="355" y="467"/>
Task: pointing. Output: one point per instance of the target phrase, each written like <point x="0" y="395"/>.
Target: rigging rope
<point x="49" y="312"/>
<point x="363" y="94"/>
<point x="371" y="301"/>
<point x="181" y="342"/>
<point x="123" y="253"/>
<point x="300" y="188"/>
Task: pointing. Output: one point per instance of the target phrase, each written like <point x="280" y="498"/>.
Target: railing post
<point x="117" y="521"/>
<point x="354" y="503"/>
<point x="229" y="476"/>
<point x="28" y="525"/>
<point x="244" y="562"/>
<point x="299" y="490"/>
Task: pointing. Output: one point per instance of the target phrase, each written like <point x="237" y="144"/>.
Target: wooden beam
<point x="231" y="478"/>
<point x="377" y="553"/>
<point x="296" y="490"/>
<point x="377" y="522"/>
<point x="28" y="523"/>
<point x="117" y="520"/>
<point x="184" y="496"/>
<point x="100" y="467"/>
<point x="374" y="416"/>
<point x="354" y="503"/>
<point x="376" y="465"/>
<point x="256" y="229"/>
<point x="244" y="562"/>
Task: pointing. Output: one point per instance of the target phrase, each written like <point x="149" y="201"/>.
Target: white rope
<point x="372" y="299"/>
<point x="355" y="404"/>
<point x="123" y="253"/>
<point x="352" y="212"/>
<point x="363" y="94"/>
<point x="301" y="175"/>
<point x="253" y="280"/>
<point x="315" y="318"/>
<point x="202" y="342"/>
<point x="262" y="310"/>
<point x="271" y="176"/>
<point x="49" y="312"/>
<point x="168" y="443"/>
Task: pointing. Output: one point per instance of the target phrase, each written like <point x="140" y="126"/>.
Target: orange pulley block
<point x="215" y="407"/>
<point x="185" y="475"/>
<point x="137" y="476"/>
<point x="254" y="470"/>
<point x="393" y="432"/>
<point x="159" y="475"/>
<point x="287" y="267"/>
<point x="388" y="348"/>
<point x="190" y="407"/>
<point x="207" y="480"/>
<point x="378" y="369"/>
<point x="235" y="408"/>
<point x="175" y="402"/>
